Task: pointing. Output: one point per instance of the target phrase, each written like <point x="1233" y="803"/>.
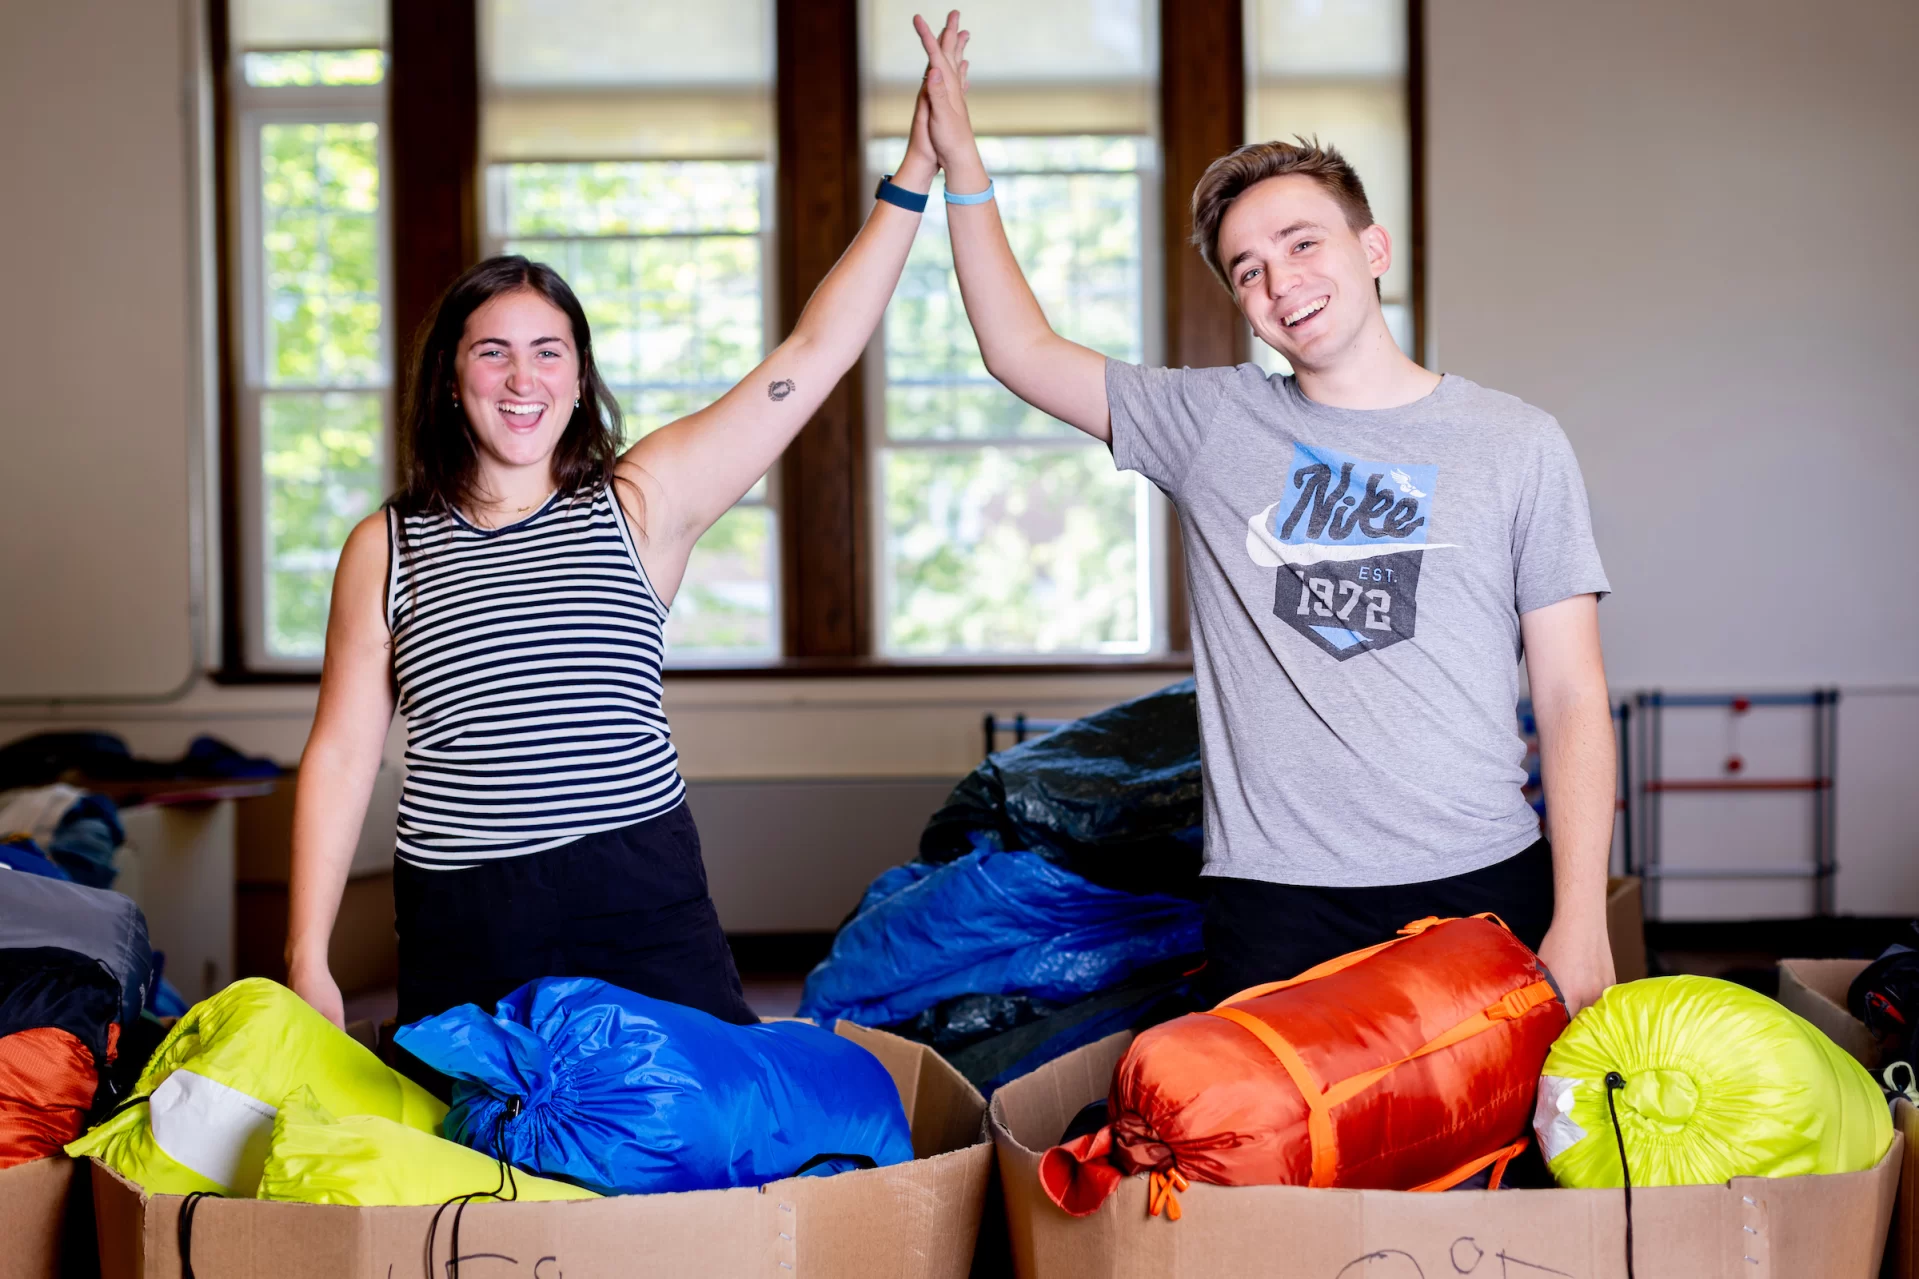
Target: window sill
<point x="835" y="668"/>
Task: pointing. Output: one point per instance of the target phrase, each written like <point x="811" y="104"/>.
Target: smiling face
<point x="1302" y="277"/>
<point x="519" y="374"/>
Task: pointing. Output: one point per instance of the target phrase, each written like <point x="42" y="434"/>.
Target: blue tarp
<point x="994" y="922"/>
<point x="625" y="1094"/>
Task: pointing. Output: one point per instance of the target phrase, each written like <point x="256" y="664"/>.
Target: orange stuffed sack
<point x="1410" y="1065"/>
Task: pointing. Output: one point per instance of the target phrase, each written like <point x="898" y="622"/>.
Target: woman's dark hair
<point x="438" y="456"/>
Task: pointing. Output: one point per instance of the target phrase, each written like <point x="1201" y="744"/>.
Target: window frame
<point x="1158" y="513"/>
<point x="250" y="110"/>
<point x="829" y="622"/>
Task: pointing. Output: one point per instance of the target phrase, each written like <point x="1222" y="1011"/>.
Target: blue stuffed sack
<point x="625" y="1094"/>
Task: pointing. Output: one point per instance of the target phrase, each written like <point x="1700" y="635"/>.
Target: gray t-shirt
<point x="1356" y="579"/>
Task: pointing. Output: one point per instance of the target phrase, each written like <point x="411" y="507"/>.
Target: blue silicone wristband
<point x="978" y="197"/>
<point x="911" y="201"/>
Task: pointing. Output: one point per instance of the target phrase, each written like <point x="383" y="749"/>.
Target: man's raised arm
<point x="1046" y="370"/>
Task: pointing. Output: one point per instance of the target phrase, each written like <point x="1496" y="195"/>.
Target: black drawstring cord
<point x="1614" y="1082"/>
<point x="861" y="1162"/>
<point x="187" y="1208"/>
<point x="510" y="1111"/>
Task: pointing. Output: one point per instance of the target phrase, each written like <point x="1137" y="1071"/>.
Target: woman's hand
<point x="314" y="983"/>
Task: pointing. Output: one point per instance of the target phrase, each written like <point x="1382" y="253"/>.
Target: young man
<point x="1370" y="549"/>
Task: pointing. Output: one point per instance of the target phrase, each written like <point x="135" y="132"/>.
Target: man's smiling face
<point x="1302" y="276"/>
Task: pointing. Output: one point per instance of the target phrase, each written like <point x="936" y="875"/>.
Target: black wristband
<point x="911" y="201"/>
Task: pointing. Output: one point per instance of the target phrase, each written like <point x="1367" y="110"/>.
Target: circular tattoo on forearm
<point x="781" y="389"/>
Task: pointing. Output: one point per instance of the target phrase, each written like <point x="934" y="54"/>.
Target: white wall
<point x="1688" y="230"/>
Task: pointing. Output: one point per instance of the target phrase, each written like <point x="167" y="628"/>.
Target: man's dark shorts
<point x="1259" y="932"/>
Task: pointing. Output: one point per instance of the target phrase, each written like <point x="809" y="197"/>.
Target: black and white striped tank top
<point x="528" y="663"/>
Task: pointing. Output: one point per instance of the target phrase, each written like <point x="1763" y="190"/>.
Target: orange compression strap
<point x="1319" y="1117"/>
<point x="1498" y="1159"/>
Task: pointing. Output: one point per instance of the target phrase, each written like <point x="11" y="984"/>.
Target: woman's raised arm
<point x="691" y="471"/>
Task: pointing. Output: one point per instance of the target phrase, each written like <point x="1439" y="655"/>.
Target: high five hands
<point x="944" y="52"/>
<point x="943" y="96"/>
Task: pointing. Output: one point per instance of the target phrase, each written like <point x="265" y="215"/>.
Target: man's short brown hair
<point x="1230" y="176"/>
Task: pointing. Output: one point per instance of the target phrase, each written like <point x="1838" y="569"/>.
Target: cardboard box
<point x="1751" y="1228"/>
<point x="35" y="1239"/>
<point x="1626" y="927"/>
<point x="911" y="1221"/>
<point x="1816" y="990"/>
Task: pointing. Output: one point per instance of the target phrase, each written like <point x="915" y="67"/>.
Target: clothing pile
<point x="63" y="832"/>
<point x="75" y="972"/>
<point x="1051" y="903"/>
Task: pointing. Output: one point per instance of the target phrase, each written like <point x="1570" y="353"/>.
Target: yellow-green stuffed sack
<point x="215" y="1082"/>
<point x="1720" y="1082"/>
<point x="368" y="1162"/>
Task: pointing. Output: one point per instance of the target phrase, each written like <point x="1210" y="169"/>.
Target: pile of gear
<point x="572" y="1090"/>
<point x="1431" y="1061"/>
<point x="75" y="979"/>
<point x="1052" y="902"/>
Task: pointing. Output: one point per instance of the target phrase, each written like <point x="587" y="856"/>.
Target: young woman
<point x="511" y="599"/>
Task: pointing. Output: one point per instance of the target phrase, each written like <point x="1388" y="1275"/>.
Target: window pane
<point x="321" y="472"/>
<point x="666" y="258"/>
<point x="316" y="66"/>
<point x="725" y="607"/>
<point x="1076" y="233"/>
<point x="320" y="193"/>
<point x="1314" y="38"/>
<point x="1013" y="550"/>
<point x="309" y="24"/>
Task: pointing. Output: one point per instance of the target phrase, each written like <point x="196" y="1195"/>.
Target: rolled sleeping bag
<point x="627" y="1094"/>
<point x="1405" y="1066"/>
<point x="1716" y="1082"/>
<point x="216" y="1081"/>
<point x="368" y="1162"/>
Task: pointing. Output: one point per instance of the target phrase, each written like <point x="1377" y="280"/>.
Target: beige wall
<point x="1689" y="231"/>
<point x="98" y="326"/>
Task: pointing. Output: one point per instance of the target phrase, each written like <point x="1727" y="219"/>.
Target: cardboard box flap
<point x="1816" y="990"/>
<point x="943" y="1109"/>
<point x="1035" y="1109"/>
<point x="33" y="1217"/>
<point x="1904" y="1246"/>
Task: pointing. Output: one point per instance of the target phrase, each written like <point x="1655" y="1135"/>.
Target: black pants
<point x="628" y="906"/>
<point x="1259" y="932"/>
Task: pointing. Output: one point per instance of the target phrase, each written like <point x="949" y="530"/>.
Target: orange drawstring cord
<point x="1160" y="1196"/>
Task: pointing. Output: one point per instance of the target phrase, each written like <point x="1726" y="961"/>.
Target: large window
<point x="310" y="255"/>
<point x="630" y="148"/>
<point x="999" y="529"/>
<point x="1337" y="72"/>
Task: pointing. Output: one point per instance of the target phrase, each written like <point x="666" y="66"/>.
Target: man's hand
<point x="1580" y="960"/>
